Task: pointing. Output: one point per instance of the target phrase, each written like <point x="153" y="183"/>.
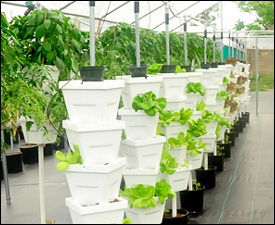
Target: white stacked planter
<point x="142" y="147"/>
<point x="92" y="125"/>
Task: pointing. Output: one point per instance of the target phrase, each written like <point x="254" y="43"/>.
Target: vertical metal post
<point x="232" y="45"/>
<point x="229" y="44"/>
<point x="136" y="10"/>
<point x="205" y="42"/>
<point x="257" y="74"/>
<point x="185" y="42"/>
<point x="237" y="50"/>
<point x="167" y="33"/>
<point x="41" y="183"/>
<point x="214" y="43"/>
<point x="92" y="33"/>
<point x="5" y="172"/>
<point x="221" y="34"/>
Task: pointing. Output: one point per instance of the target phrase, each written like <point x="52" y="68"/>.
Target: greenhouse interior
<point x="182" y="90"/>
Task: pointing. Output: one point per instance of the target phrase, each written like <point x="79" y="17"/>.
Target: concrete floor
<point x="244" y="191"/>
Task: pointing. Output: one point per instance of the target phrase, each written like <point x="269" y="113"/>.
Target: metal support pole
<point x="205" y="42"/>
<point x="185" y="42"/>
<point x="214" y="43"/>
<point x="229" y="45"/>
<point x="167" y="34"/>
<point x="136" y="10"/>
<point x="92" y="33"/>
<point x="5" y="172"/>
<point x="221" y="34"/>
<point x="232" y="45"/>
<point x="41" y="183"/>
<point x="257" y="75"/>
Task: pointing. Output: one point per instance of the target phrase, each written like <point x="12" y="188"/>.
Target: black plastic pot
<point x="61" y="145"/>
<point x="20" y="131"/>
<point x="205" y="66"/>
<point x="187" y="68"/>
<point x="138" y="71"/>
<point x="92" y="73"/>
<point x="214" y="65"/>
<point x="177" y="220"/>
<point x="243" y="121"/>
<point x="168" y="69"/>
<point x="206" y="177"/>
<point x="226" y="149"/>
<point x="29" y="153"/>
<point x="192" y="200"/>
<point x="216" y="160"/>
<point x="240" y="124"/>
<point x="7" y="137"/>
<point x="48" y="149"/>
<point x="232" y="136"/>
<point x="14" y="162"/>
<point x="236" y="129"/>
<point x="246" y="115"/>
<point x="222" y="63"/>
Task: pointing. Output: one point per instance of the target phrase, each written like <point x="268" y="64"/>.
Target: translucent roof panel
<point x="151" y="15"/>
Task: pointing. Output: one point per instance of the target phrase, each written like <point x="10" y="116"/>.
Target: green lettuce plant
<point x="69" y="158"/>
<point x="154" y="68"/>
<point x="150" y="104"/>
<point x="222" y="95"/>
<point x="173" y="142"/>
<point x="225" y="81"/>
<point x="197" y="128"/>
<point x="142" y="196"/>
<point x="167" y="163"/>
<point x="195" y="88"/>
<point x="179" y="69"/>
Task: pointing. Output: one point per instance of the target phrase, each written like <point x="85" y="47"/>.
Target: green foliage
<point x="225" y="81"/>
<point x="195" y="87"/>
<point x="197" y="128"/>
<point x="70" y="158"/>
<point x="222" y="95"/>
<point x="150" y="104"/>
<point x="179" y="70"/>
<point x="173" y="142"/>
<point x="167" y="163"/>
<point x="143" y="196"/>
<point x="127" y="221"/>
<point x="191" y="147"/>
<point x="265" y="82"/>
<point x="154" y="68"/>
<point x="264" y="10"/>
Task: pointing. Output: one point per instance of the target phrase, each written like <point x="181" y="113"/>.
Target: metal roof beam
<point x="115" y="9"/>
<point x="177" y="14"/>
<point x="65" y="6"/>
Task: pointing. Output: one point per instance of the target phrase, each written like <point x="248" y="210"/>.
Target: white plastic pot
<point x="138" y="85"/>
<point x="90" y="185"/>
<point x="209" y="139"/>
<point x="220" y="104"/>
<point x="219" y="75"/>
<point x="228" y="67"/>
<point x="146" y="215"/>
<point x="109" y="213"/>
<point x="92" y="102"/>
<point x="196" y="115"/>
<point x="139" y="125"/>
<point x="144" y="154"/>
<point x="192" y="100"/>
<point x="211" y="127"/>
<point x="133" y="177"/>
<point x="222" y="87"/>
<point x="35" y="135"/>
<point x="178" y="153"/>
<point x="175" y="104"/>
<point x="194" y="76"/>
<point x="211" y="107"/>
<point x="173" y="85"/>
<point x="210" y="94"/>
<point x="98" y="142"/>
<point x="207" y="78"/>
<point x="173" y="129"/>
<point x="196" y="161"/>
<point x="179" y="179"/>
<point x="234" y="80"/>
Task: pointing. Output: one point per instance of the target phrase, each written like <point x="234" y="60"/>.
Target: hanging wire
<point x="103" y="18"/>
<point x="149" y="23"/>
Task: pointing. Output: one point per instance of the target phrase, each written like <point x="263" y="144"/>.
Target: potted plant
<point x="206" y="177"/>
<point x="182" y="216"/>
<point x="192" y="199"/>
<point x="143" y="200"/>
<point x="195" y="93"/>
<point x="217" y="160"/>
<point x="225" y="146"/>
<point x="138" y="71"/>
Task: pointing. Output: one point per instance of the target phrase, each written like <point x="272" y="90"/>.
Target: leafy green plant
<point x="142" y="196"/>
<point x="222" y="95"/>
<point x="201" y="107"/>
<point x="127" y="221"/>
<point x="185" y="163"/>
<point x="70" y="158"/>
<point x="150" y="104"/>
<point x="179" y="69"/>
<point x="154" y="68"/>
<point x="197" y="186"/>
<point x="195" y="88"/>
<point x="202" y="145"/>
<point x="197" y="128"/>
<point x="219" y="150"/>
<point x="167" y="163"/>
<point x="225" y="81"/>
<point x="192" y="148"/>
<point x="173" y="142"/>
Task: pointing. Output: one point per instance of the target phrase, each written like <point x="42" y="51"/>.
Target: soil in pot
<point x="187" y="68"/>
<point x="138" y="71"/>
<point x="168" y="69"/>
<point x="216" y="161"/>
<point x="232" y="136"/>
<point x="181" y="218"/>
<point x="206" y="177"/>
<point x="226" y="149"/>
<point x="14" y="162"/>
<point x="92" y="73"/>
<point x="29" y="153"/>
<point x="214" y="65"/>
<point x="192" y="200"/>
<point x="48" y="149"/>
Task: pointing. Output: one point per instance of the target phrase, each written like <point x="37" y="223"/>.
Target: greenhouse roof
<point x="107" y="13"/>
